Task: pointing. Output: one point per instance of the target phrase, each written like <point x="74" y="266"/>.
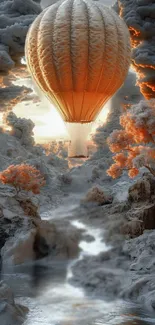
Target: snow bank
<point x="127" y="270"/>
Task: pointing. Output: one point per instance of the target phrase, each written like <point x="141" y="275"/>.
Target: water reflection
<point x="52" y="301"/>
<point x="32" y="278"/>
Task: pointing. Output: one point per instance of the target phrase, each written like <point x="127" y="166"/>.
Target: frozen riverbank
<point x="52" y="300"/>
<point x="127" y="269"/>
<point x="101" y="285"/>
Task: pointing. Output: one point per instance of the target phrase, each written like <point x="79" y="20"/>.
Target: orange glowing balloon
<point x="78" y="52"/>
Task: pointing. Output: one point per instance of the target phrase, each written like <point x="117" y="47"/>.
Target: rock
<point x="10" y="203"/>
<point x="45" y="240"/>
<point x="65" y="178"/>
<point x="26" y="237"/>
<point x="6" y="293"/>
<point x="10" y="312"/>
<point x="19" y="249"/>
<point x="55" y="240"/>
<point x="88" y="238"/>
<point x="139" y="219"/>
<point x="8" y="227"/>
<point x="8" y="214"/>
<point x="29" y="208"/>
<point x="97" y="195"/>
<point x="143" y="189"/>
<point x="147" y="216"/>
<point x="102" y="276"/>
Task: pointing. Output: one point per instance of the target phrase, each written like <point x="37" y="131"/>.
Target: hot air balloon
<point x="78" y="52"/>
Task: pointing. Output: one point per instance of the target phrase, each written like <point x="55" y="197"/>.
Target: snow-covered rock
<point x="56" y="239"/>
<point x="97" y="195"/>
<point x="10" y="312"/>
<point x="18" y="249"/>
<point x="143" y="189"/>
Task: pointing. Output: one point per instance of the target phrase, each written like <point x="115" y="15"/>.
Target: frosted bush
<point x="21" y="128"/>
<point x="55" y="161"/>
<point x="129" y="144"/>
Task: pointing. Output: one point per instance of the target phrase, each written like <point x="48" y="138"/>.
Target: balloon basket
<point x="81" y="157"/>
<point x="78" y="134"/>
<point x="77" y="149"/>
<point x="78" y="157"/>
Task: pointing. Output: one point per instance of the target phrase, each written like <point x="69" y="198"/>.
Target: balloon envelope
<point x="78" y="52"/>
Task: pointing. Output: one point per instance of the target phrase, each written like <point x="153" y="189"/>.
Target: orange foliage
<point x="138" y="133"/>
<point x="139" y="127"/>
<point x="120" y="159"/>
<point x="114" y="171"/>
<point x="121" y="140"/>
<point x="133" y="172"/>
<point x="23" y="177"/>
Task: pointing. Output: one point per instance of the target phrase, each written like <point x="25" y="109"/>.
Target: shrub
<point x="23" y="177"/>
<point x="134" y="144"/>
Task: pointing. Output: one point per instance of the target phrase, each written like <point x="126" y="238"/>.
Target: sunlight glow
<point x="48" y="123"/>
<point x="52" y="126"/>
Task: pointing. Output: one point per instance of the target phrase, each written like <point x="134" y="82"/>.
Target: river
<point x="45" y="289"/>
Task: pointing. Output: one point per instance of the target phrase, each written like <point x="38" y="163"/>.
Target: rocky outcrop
<point x="143" y="189"/>
<point x="141" y="215"/>
<point x="58" y="240"/>
<point x="139" y="219"/>
<point x="125" y="271"/>
<point x="25" y="237"/>
<point x="29" y="208"/>
<point x="10" y="312"/>
<point x="98" y="196"/>
<point x="131" y="218"/>
<point x="102" y="275"/>
<point x="19" y="249"/>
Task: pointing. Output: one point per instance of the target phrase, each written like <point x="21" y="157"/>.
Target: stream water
<point x="44" y="288"/>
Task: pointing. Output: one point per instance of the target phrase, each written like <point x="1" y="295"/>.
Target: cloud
<point x="140" y="18"/>
<point x="11" y="96"/>
<point x="15" y="18"/>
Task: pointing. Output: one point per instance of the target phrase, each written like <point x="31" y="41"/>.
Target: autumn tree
<point x="134" y="145"/>
<point x="23" y="177"/>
